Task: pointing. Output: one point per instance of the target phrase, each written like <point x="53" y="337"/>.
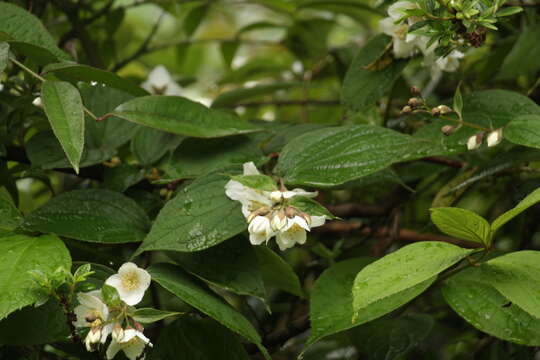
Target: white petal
<point x="250" y="169"/>
<point x="257" y="239"/>
<point x="133" y="349"/>
<point x="115" y="281"/>
<point x="387" y="26"/>
<point x="159" y="77"/>
<point x="127" y="268"/>
<point x="395" y="11"/>
<point x="133" y="297"/>
<point x="128" y="335"/>
<point x="105" y="332"/>
<point x="317" y="221"/>
<point x="284" y="241"/>
<point x="146" y="340"/>
<point x="81" y="312"/>
<point x="113" y="349"/>
<point x="402" y="49"/>
<point x="299" y="192"/>
<point x="301" y="222"/>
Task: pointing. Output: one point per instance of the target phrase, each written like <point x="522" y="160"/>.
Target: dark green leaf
<point x="177" y="282"/>
<point x="193" y="219"/>
<point x="310" y="207"/>
<point x="236" y="96"/>
<point x="121" y="177"/>
<point x="149" y="315"/>
<point x="10" y="217"/>
<point x="403" y="269"/>
<point x="4" y="55"/>
<point x="149" y="145"/>
<point x="524" y="130"/>
<point x="181" y="116"/>
<point x="194" y="18"/>
<point x="190" y="338"/>
<point x="91" y="215"/>
<point x="63" y="105"/>
<point x="523" y="205"/>
<point x="231" y="265"/>
<point x="362" y="87"/>
<point x="470" y="294"/>
<point x="18" y="255"/>
<point x="462" y="223"/>
<point x="261" y="182"/>
<point x="522" y="59"/>
<point x="276" y="272"/>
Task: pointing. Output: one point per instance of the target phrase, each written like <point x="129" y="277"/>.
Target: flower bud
<point x="306" y="217"/>
<point x="93" y="337"/>
<point x="290" y="212"/>
<point x="406" y="109"/>
<point x="118" y="332"/>
<point x="475" y="141"/>
<point x="440" y="110"/>
<point x="494" y="138"/>
<point x="415" y="90"/>
<point x="276" y="196"/>
<point x="414" y="102"/>
<point x="448" y="129"/>
<point x="37" y="102"/>
<point x="139" y="327"/>
<point x="279" y="220"/>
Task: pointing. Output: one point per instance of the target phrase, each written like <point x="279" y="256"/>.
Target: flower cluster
<point x="105" y="314"/>
<point x="406" y="44"/>
<point x="270" y="213"/>
<point x="493" y="138"/>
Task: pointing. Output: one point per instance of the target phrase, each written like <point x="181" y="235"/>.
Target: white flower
<point x="474" y="142"/>
<point x="494" y="138"/>
<point x="1" y="86"/>
<point x="396" y="10"/>
<point x="450" y="62"/>
<point x="92" y="312"/>
<point x="37" y="102"/>
<point x="160" y="81"/>
<point x="132" y="344"/>
<point x="295" y="230"/>
<point x="260" y="230"/>
<point x="403" y="45"/>
<point x="93" y="337"/>
<point x="131" y="282"/>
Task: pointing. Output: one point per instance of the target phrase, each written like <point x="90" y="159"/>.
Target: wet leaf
<point x="524" y="130"/>
<point x="149" y="315"/>
<point x="276" y="272"/>
<point x="10" y="217"/>
<point x="462" y="223"/>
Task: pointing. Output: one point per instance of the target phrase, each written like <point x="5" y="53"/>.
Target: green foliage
<point x="462" y="223"/>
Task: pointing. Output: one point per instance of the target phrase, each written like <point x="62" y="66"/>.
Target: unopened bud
<point x="475" y="141"/>
<point x="118" y="332"/>
<point x="494" y="138"/>
<point x="276" y="196"/>
<point x="139" y="327"/>
<point x="279" y="220"/>
<point x="406" y="109"/>
<point x="441" y="110"/>
<point x="415" y="90"/>
<point x="290" y="212"/>
<point x="448" y="129"/>
<point x="259" y="212"/>
<point x="306" y="217"/>
<point x="414" y="102"/>
<point x="93" y="337"/>
<point x="37" y="102"/>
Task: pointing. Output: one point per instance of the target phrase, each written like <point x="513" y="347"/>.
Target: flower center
<point x="294" y="229"/>
<point x="130" y="281"/>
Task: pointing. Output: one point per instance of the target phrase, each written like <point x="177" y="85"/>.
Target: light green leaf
<point x="193" y="219"/>
<point x="149" y="315"/>
<point x="92" y="215"/>
<point x="523" y="205"/>
<point x="462" y="223"/>
<point x="332" y="300"/>
<point x="10" y="217"/>
<point x="362" y="87"/>
<point x="507" y="11"/>
<point x="76" y="72"/>
<point x="181" y="116"/>
<point x="177" y="282"/>
<point x="190" y="338"/>
<point x="231" y="265"/>
<point x="515" y="276"/>
<point x="403" y="269"/>
<point x="22" y="26"/>
<point x="276" y="272"/>
<point x="310" y="207"/>
<point x="63" y="105"/>
<point x="4" y="56"/>
<point x="18" y="255"/>
<point x="524" y="130"/>
<point x="260" y="182"/>
<point x="470" y="294"/>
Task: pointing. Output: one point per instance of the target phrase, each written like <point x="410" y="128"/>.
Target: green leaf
<point x="181" y="116"/>
<point x="236" y="96"/>
<point x="92" y="215"/>
<point x="332" y="300"/>
<point x="10" y="217"/>
<point x="196" y="157"/>
<point x="470" y="294"/>
<point x="121" y="177"/>
<point x="149" y="315"/>
<point x="507" y="11"/>
<point x="231" y="265"/>
<point x="20" y="25"/>
<point x="523" y="58"/>
<point x="193" y="219"/>
<point x="336" y="155"/>
<point x="524" y="130"/>
<point x="515" y="276"/>
<point x="149" y="145"/>
<point x="76" y="72"/>
<point x="4" y="56"/>
<point x="260" y="182"/>
<point x="392" y="339"/>
<point x="458" y="102"/>
<point x="462" y="223"/>
<point x="190" y="338"/>
<point x="18" y="255"/>
<point x="194" y="18"/>
<point x="34" y="326"/>
<point x="310" y="207"/>
<point x="362" y="87"/>
<point x="63" y="105"/>
<point x="276" y="272"/>
<point x="403" y="269"/>
<point x="110" y="295"/>
<point x="523" y="205"/>
<point x="177" y="282"/>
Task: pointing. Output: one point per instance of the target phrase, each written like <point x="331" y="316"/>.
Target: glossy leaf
<point x="403" y="269"/>
<point x="92" y="215"/>
<point x="149" y="145"/>
<point x="462" y="223"/>
<point x="177" y="282"/>
<point x="149" y="315"/>
<point x="181" y="116"/>
<point x="515" y="276"/>
<point x="18" y="255"/>
<point x="523" y="205"/>
<point x="231" y="265"/>
<point x="63" y="105"/>
<point x="524" y="130"/>
<point x="10" y="217"/>
<point x="362" y="86"/>
<point x="332" y="300"/>
<point x="193" y="219"/>
<point x="276" y="272"/>
<point x="470" y="294"/>
<point x="190" y="338"/>
<point x="20" y="25"/>
<point x="310" y="207"/>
